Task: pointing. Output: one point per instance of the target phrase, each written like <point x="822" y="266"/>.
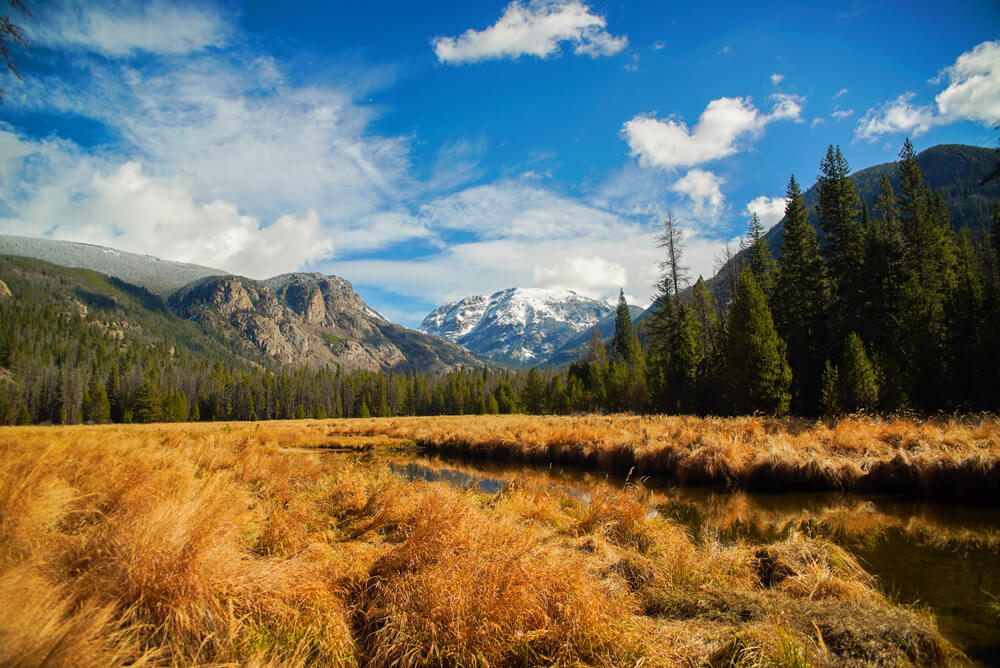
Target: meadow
<point x="232" y="543"/>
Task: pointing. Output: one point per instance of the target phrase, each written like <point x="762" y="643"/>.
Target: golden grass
<point x="942" y="458"/>
<point x="213" y="544"/>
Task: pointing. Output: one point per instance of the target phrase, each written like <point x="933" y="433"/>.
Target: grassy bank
<point x="216" y="544"/>
<point x="955" y="459"/>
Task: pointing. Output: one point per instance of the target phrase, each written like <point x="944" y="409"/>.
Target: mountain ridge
<point x="517" y="326"/>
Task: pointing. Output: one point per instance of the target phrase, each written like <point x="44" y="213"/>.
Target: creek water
<point x="942" y="556"/>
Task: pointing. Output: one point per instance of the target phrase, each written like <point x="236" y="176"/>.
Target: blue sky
<point x="427" y="152"/>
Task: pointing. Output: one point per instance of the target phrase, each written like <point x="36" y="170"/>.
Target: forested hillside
<point x="891" y="307"/>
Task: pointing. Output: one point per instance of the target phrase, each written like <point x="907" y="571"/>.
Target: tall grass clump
<point x="226" y="545"/>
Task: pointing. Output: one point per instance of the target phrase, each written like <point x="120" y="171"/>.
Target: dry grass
<point x="945" y="458"/>
<point x="213" y="544"/>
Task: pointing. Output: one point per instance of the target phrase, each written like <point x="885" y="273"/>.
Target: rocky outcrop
<point x="4" y="291"/>
<point x="314" y="320"/>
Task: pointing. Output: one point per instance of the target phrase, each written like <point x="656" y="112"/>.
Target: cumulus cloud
<point x="973" y="94"/>
<point x="127" y="209"/>
<point x="589" y="276"/>
<point x="536" y="29"/>
<point x="703" y="188"/>
<point x="899" y="115"/>
<point x="123" y="30"/>
<point x="842" y="91"/>
<point x="840" y="114"/>
<point x="776" y="78"/>
<point x="722" y="127"/>
<point x="770" y="210"/>
<point x="973" y="90"/>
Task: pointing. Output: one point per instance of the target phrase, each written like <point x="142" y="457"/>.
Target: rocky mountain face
<point x="295" y="319"/>
<point x="518" y="326"/>
<point x="311" y="319"/>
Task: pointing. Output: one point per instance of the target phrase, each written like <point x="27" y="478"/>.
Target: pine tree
<point x="756" y="364"/>
<point x="625" y="343"/>
<point x="800" y="299"/>
<point x="100" y="407"/>
<point x="759" y="256"/>
<point x="859" y="383"/>
<point x="839" y="207"/>
<point x="534" y="392"/>
<point x="830" y="391"/>
<point x="684" y="363"/>
<point x="149" y="400"/>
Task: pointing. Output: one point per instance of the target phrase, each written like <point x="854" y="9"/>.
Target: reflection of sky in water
<point x="959" y="581"/>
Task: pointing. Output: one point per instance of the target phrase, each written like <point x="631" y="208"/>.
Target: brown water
<point x="945" y="557"/>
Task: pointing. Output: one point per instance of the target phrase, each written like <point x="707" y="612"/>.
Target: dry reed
<point x="212" y="544"/>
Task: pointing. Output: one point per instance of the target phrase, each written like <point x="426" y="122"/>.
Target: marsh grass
<point x="942" y="458"/>
<point x="212" y="544"/>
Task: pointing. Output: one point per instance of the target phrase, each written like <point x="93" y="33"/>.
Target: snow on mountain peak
<point x="518" y="325"/>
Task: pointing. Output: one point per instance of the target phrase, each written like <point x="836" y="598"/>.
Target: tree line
<point x="884" y="310"/>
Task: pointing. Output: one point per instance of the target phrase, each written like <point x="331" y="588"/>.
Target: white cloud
<point x="516" y="209"/>
<point x="973" y="94"/>
<point x="840" y="114"/>
<point x="725" y="123"/>
<point x="589" y="276"/>
<point x="817" y="121"/>
<point x="973" y="91"/>
<point x="842" y="91"/>
<point x="776" y="78"/>
<point x="770" y="210"/>
<point x="703" y="188"/>
<point x="659" y="45"/>
<point x="536" y="29"/>
<point x="125" y="208"/>
<point x="900" y="115"/>
<point x="123" y="30"/>
<point x="723" y="51"/>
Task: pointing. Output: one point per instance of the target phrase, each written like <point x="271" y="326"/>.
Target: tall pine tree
<point x="756" y="357"/>
<point x="801" y="297"/>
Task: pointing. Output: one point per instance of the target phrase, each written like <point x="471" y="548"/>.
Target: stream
<point x="942" y="556"/>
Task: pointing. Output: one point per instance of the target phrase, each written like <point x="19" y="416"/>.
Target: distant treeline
<point x="885" y="310"/>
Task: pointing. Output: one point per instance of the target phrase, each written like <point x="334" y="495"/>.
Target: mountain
<point x="518" y="326"/>
<point x="954" y="170"/>
<point x="311" y="319"/>
<point x="292" y="319"/>
<point x="576" y="346"/>
<point x="161" y="277"/>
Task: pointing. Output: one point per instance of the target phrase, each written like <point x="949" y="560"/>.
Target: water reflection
<point x="944" y="556"/>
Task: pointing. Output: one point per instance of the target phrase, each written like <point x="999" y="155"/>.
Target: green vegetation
<point x="892" y="310"/>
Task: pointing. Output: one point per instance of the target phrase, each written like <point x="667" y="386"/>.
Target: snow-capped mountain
<point x="518" y="326"/>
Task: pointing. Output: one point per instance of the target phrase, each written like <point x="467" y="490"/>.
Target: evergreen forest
<point x="885" y="308"/>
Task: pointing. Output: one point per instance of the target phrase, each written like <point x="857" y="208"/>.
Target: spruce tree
<point x="801" y="296"/>
<point x="684" y="363"/>
<point x="534" y="392"/>
<point x="759" y="256"/>
<point x="625" y="343"/>
<point x="839" y="208"/>
<point x="830" y="405"/>
<point x="859" y="382"/>
<point x="756" y="358"/>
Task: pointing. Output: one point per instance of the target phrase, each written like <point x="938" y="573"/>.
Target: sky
<point x="430" y="151"/>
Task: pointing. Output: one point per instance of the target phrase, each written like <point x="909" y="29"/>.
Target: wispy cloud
<point x="776" y="78"/>
<point x="536" y="29"/>
<point x="123" y="30"/>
